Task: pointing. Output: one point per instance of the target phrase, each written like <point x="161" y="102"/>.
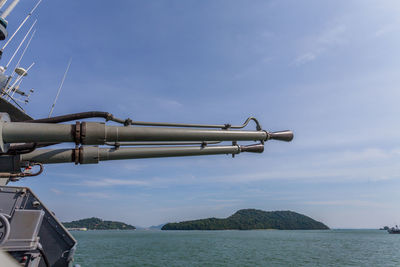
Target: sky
<point x="328" y="70"/>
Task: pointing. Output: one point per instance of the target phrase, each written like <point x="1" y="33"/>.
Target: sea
<point x="237" y="248"/>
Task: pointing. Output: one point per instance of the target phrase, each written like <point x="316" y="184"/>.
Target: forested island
<point x="98" y="224"/>
<point x="251" y="219"/>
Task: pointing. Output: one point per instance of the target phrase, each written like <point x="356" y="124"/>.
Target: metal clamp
<point x="4" y="118"/>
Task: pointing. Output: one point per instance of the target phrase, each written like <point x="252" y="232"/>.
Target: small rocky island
<point x="251" y="219"/>
<point x="98" y="224"/>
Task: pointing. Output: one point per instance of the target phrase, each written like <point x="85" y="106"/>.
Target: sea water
<point x="238" y="248"/>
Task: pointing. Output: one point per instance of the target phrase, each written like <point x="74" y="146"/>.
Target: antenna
<point x="19" y="78"/>
<point x="19" y="46"/>
<point x="20" y="72"/>
<point x="22" y="23"/>
<point x="23" y="53"/>
<point x="16" y="88"/>
<point x="9" y="9"/>
<point x="2" y="2"/>
<point x="59" y="89"/>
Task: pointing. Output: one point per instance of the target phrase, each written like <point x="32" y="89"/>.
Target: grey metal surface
<point x="88" y="154"/>
<point x="29" y="219"/>
<point x="15" y="113"/>
<point x="7" y="260"/>
<point x="19" y="132"/>
<point x="49" y="156"/>
<point x="96" y="154"/>
<point x="25" y="225"/>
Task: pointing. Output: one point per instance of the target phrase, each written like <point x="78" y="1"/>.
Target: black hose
<point x="109" y="117"/>
<point x="75" y="116"/>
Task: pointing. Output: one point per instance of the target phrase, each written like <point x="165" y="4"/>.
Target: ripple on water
<point x="238" y="248"/>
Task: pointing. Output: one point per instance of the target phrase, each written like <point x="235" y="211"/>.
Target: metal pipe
<point x="115" y="134"/>
<point x="49" y="156"/>
<point x="92" y="154"/>
<point x="75" y="116"/>
<point x="109" y="117"/>
<point x="166" y="143"/>
<point x="160" y="152"/>
<point x="19" y="132"/>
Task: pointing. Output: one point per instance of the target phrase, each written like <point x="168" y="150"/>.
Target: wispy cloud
<point x="386" y="29"/>
<point x="319" y="44"/>
<point x="223" y="200"/>
<point x="367" y="154"/>
<point x="56" y="191"/>
<point x="131" y="166"/>
<point x="366" y="164"/>
<point x="355" y="203"/>
<point x="113" y="182"/>
<point x="168" y="103"/>
<point x="304" y="58"/>
<point x="100" y="195"/>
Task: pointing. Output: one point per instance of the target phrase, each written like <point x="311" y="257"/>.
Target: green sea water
<point x="238" y="248"/>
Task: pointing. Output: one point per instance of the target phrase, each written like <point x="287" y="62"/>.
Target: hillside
<point x="98" y="224"/>
<point x="156" y="227"/>
<point x="248" y="219"/>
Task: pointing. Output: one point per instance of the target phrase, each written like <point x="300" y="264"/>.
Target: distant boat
<point x="394" y="230"/>
<point x="77" y="229"/>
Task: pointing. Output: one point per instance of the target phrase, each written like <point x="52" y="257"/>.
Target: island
<point x="97" y="224"/>
<point x="252" y="219"/>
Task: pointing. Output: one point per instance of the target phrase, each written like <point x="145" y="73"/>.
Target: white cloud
<point x="332" y="36"/>
<point x="101" y="195"/>
<point x="367" y="164"/>
<point x="168" y="103"/>
<point x="355" y="203"/>
<point x="113" y="182"/>
<point x="386" y="29"/>
<point x="131" y="166"/>
<point x="319" y="44"/>
<point x="56" y="191"/>
<point x="310" y="56"/>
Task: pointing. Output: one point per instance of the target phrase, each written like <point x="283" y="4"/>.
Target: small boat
<point x="394" y="230"/>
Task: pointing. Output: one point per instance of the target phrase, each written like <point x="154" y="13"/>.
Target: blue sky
<point x="327" y="70"/>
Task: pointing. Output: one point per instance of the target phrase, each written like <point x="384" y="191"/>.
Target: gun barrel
<point x="93" y="154"/>
<point x="92" y="133"/>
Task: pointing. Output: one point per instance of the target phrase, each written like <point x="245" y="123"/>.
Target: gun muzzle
<point x="257" y="148"/>
<point x="286" y="136"/>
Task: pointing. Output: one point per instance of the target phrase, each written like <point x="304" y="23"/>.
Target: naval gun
<point x="29" y="231"/>
<point x="22" y="142"/>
